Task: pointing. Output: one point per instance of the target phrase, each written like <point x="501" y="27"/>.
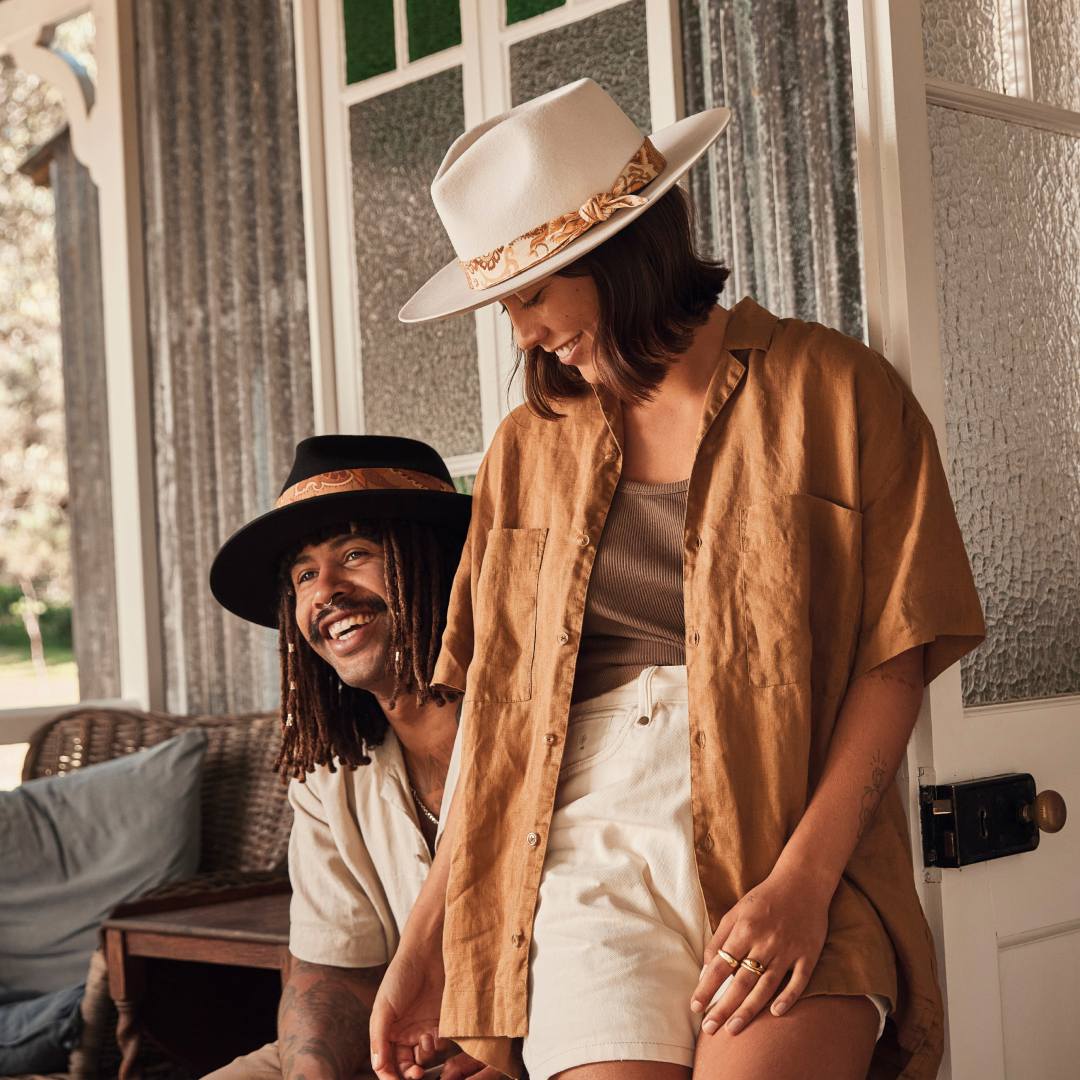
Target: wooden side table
<point x="233" y="927"/>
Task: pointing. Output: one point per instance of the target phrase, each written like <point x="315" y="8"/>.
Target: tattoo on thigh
<point x="892" y="677"/>
<point x="872" y="792"/>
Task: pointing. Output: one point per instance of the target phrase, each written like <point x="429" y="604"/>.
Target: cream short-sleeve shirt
<point x="357" y="859"/>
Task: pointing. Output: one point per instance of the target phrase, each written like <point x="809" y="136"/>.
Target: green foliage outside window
<point x="517" y="10"/>
<point x="369" y="38"/>
<point x="434" y="25"/>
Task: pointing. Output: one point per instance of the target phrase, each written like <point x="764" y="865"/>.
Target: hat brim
<point x="682" y="143"/>
<point x="244" y="575"/>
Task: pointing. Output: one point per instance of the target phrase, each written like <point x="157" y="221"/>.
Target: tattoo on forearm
<point x="322" y="1021"/>
<point x="871" y="795"/>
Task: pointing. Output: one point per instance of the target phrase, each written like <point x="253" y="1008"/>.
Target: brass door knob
<point x="1048" y="811"/>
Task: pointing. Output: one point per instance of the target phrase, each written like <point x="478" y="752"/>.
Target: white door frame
<point x="325" y="99"/>
<point x="104" y="126"/>
<point x="891" y="94"/>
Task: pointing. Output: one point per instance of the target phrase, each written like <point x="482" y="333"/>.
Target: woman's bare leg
<point x="825" y="1037"/>
<point x="625" y="1070"/>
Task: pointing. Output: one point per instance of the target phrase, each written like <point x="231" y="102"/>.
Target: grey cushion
<point x="73" y="847"/>
<point x="36" y="1036"/>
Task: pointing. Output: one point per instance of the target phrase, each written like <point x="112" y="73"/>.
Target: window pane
<point x="962" y="42"/>
<point x="369" y="38"/>
<point x="420" y="380"/>
<point x="1054" y="30"/>
<point x="516" y="10"/>
<point x="610" y="47"/>
<point x="434" y="25"/>
<point x="1011" y="355"/>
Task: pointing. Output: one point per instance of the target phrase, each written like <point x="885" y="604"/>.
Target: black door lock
<point x="976" y="820"/>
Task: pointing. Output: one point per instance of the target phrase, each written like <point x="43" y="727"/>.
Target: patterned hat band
<point x="542" y="242"/>
<point x="342" y="480"/>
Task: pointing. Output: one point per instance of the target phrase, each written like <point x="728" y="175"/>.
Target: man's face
<point x="341" y="609"/>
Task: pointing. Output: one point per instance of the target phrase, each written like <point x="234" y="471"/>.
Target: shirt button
<point x="532" y="839"/>
<point x="518" y="939"/>
<point x="583" y="540"/>
<point x="563" y="637"/>
<point x="706" y="843"/>
<point x="697" y="541"/>
<point x="693" y="637"/>
<point x="701" y="738"/>
<point x="551" y="739"/>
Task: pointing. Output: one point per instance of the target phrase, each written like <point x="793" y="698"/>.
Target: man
<point x="353" y="568"/>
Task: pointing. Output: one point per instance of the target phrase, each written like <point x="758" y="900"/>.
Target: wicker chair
<point x="245" y="826"/>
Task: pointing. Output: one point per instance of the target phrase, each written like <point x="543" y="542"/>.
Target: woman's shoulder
<point x="820" y="352"/>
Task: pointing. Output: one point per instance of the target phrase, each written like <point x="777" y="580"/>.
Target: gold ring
<point x="752" y="965"/>
<point x="728" y="959"/>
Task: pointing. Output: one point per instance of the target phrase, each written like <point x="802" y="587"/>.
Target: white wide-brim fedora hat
<point x="528" y="192"/>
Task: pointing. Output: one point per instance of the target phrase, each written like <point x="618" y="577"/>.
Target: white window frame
<point x="325" y="98"/>
<point x="103" y="121"/>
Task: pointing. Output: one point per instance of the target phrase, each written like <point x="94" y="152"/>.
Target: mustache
<point x="364" y="605"/>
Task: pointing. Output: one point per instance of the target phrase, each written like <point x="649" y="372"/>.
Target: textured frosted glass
<point x="610" y="47"/>
<point x="775" y="197"/>
<point x="420" y="380"/>
<point x="962" y="42"/>
<point x="1007" y="209"/>
<point x="1054" y="32"/>
<point x="369" y="38"/>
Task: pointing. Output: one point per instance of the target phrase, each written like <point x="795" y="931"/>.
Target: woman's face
<point x="558" y="314"/>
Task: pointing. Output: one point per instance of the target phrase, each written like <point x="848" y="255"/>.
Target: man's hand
<point x="323" y="1021"/>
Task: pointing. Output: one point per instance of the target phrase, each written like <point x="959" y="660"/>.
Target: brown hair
<point x="654" y="291"/>
<point x="321" y="717"/>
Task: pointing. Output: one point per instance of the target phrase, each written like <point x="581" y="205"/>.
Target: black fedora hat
<point x="335" y="479"/>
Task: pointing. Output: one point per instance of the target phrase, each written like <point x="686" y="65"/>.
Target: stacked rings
<point x="752" y="965"/>
<point x="728" y="959"/>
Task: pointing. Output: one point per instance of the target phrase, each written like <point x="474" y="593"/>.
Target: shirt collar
<point x="749" y="326"/>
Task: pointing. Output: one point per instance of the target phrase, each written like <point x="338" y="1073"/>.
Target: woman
<point x="712" y="564"/>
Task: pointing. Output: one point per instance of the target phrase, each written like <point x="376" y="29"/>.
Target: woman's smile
<point x="566" y="353"/>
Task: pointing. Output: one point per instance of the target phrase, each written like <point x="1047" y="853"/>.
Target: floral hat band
<point x="341" y="480"/>
<point x="545" y="240"/>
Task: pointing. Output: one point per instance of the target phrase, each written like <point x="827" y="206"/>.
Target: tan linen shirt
<point x="357" y="859"/>
<point x="820" y="541"/>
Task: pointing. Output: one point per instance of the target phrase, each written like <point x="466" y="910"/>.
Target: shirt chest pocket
<point x="799" y="587"/>
<point x="504" y="611"/>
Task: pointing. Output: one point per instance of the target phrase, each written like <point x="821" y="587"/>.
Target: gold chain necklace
<point x="433" y="818"/>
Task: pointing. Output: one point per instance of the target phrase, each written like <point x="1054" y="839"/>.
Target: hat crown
<point x="542" y="159"/>
<point x="321" y="454"/>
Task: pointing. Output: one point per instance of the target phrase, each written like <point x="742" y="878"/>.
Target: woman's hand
<point x="404" y="1024"/>
<point x="780" y="923"/>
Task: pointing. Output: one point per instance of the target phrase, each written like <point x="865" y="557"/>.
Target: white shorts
<point x="621" y="928"/>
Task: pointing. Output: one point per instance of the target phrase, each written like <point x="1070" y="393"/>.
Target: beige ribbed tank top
<point x="634" y="607"/>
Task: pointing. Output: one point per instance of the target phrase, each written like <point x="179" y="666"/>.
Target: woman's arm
<point x="405" y="1015"/>
<point x="783" y="922"/>
<point x="871" y="733"/>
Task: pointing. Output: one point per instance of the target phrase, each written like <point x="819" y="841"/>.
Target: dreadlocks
<point x="321" y="717"/>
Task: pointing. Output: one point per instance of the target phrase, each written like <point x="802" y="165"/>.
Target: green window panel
<point x="516" y="10"/>
<point x="434" y="25"/>
<point x="369" y="38"/>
